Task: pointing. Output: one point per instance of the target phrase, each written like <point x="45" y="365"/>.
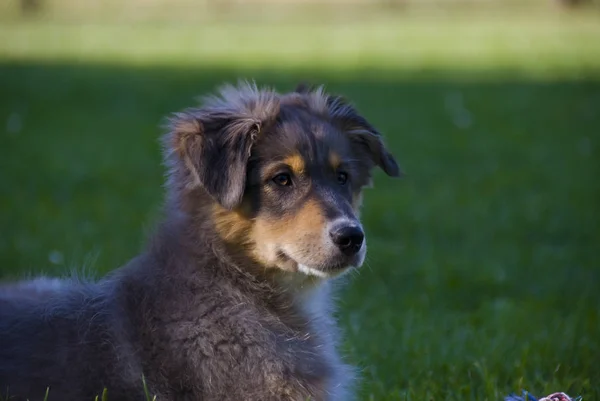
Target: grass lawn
<point x="483" y="274"/>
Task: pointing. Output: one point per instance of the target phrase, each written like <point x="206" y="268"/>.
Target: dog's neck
<point x="191" y="226"/>
<point x="185" y="253"/>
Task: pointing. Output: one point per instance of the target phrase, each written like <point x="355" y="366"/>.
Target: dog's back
<point x="63" y="336"/>
<point x="75" y="339"/>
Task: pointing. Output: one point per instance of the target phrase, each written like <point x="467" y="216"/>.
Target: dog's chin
<point x="311" y="271"/>
<point x="332" y="269"/>
<point x="325" y="272"/>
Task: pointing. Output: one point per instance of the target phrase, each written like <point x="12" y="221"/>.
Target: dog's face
<point x="285" y="173"/>
<point x="304" y="184"/>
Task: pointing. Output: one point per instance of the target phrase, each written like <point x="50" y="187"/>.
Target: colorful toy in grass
<point x="552" y="397"/>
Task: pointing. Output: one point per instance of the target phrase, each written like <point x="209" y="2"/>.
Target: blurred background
<point x="483" y="269"/>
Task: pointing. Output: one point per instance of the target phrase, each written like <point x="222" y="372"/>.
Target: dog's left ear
<point x="363" y="134"/>
<point x="211" y="150"/>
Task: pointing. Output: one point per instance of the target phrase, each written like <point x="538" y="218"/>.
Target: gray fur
<point x="193" y="318"/>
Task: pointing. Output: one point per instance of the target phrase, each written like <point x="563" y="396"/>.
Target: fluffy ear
<point x="363" y="134"/>
<point x="211" y="150"/>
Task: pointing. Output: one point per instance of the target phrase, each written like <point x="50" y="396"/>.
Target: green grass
<point x="483" y="273"/>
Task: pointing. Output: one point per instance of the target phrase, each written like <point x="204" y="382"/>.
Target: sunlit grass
<point x="543" y="47"/>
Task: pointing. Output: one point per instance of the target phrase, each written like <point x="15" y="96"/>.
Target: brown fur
<point x="334" y="160"/>
<point x="296" y="162"/>
<point x="231" y="299"/>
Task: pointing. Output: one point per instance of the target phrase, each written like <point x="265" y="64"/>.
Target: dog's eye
<point x="283" y="180"/>
<point x="342" y="177"/>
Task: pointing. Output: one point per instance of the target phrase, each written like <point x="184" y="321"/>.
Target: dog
<point x="231" y="299"/>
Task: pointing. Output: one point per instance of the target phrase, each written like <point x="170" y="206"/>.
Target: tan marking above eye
<point x="296" y="163"/>
<point x="334" y="160"/>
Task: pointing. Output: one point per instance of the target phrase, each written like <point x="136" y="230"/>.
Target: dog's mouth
<point x="329" y="270"/>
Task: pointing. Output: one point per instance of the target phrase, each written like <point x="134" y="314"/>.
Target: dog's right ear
<point x="363" y="134"/>
<point x="211" y="150"/>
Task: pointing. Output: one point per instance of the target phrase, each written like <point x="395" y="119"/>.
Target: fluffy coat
<point x="205" y="312"/>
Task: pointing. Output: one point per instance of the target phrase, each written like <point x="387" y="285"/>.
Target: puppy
<point x="231" y="299"/>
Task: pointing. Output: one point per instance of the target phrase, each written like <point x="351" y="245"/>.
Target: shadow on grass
<point x="482" y="271"/>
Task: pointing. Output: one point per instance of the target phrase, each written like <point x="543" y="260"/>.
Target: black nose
<point x="349" y="239"/>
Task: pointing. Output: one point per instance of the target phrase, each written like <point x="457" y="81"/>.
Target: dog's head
<point x="283" y="174"/>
